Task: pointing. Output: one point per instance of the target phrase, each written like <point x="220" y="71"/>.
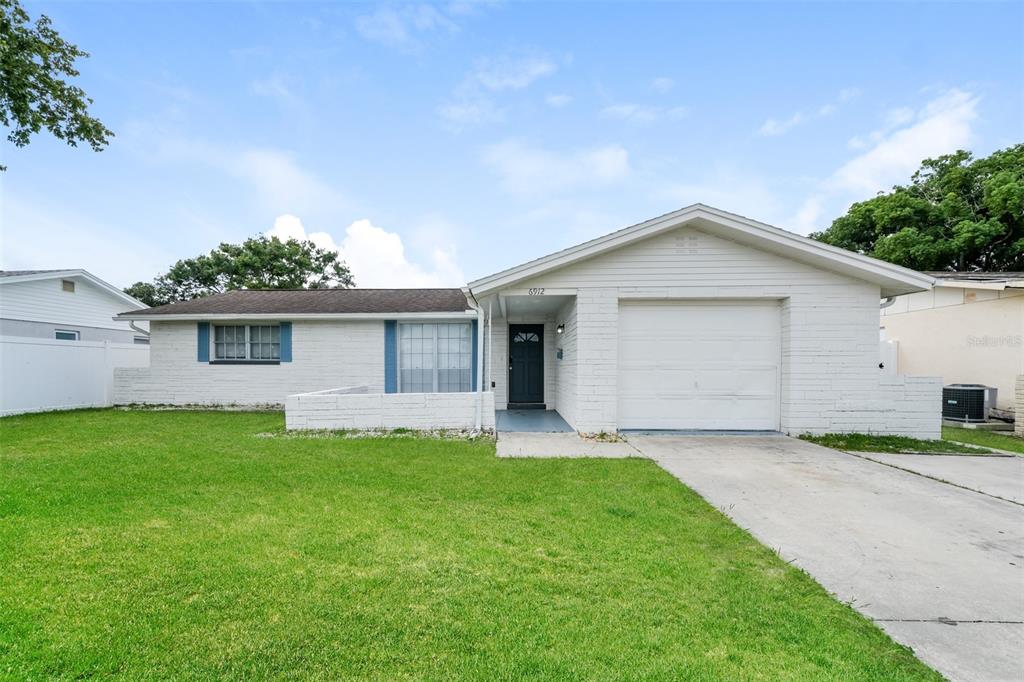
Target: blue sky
<point x="437" y="143"/>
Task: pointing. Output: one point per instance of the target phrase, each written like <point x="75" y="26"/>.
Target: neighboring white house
<point x="968" y="329"/>
<point x="699" y="319"/>
<point x="59" y="341"/>
<point x="66" y="305"/>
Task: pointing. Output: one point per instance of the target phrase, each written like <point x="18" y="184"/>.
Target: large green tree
<point x="258" y="263"/>
<point x="957" y="213"/>
<point x="34" y="93"/>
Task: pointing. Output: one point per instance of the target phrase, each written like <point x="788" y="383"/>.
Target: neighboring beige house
<point x="969" y="329"/>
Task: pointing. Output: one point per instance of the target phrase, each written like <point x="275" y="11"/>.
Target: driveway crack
<point x="934" y="478"/>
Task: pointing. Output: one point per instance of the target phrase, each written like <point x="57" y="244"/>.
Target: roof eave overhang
<point x="893" y="280"/>
<point x="211" y="317"/>
<point x="83" y="274"/>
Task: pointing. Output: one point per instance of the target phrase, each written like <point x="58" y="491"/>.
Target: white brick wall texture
<point x="422" y="411"/>
<point x="325" y="355"/>
<point x="566" y="368"/>
<point x="830" y="379"/>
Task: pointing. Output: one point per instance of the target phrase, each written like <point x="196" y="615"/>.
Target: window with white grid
<point x="435" y="358"/>
<point x="229" y="342"/>
<point x="265" y="342"/>
<point x="243" y="342"/>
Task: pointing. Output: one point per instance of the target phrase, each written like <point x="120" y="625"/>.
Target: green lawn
<point x="191" y="545"/>
<point x="863" y="442"/>
<point x="987" y="439"/>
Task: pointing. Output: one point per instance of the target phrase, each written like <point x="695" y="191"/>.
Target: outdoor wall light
<point x="559" y="329"/>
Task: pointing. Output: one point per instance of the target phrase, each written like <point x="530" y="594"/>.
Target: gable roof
<point x="13" y="276"/>
<point x="311" y="302"/>
<point x="892" y="279"/>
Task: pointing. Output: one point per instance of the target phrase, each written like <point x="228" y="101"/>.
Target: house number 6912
<point x="539" y="291"/>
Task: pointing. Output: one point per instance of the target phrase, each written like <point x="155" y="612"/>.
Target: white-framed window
<point x="435" y="357"/>
<point x="67" y="285"/>
<point x="265" y="342"/>
<point x="247" y="342"/>
<point x="67" y="334"/>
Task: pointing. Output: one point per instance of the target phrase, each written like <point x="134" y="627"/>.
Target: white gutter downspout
<point x="479" y="356"/>
<point x="131" y="324"/>
<point x="490" y="335"/>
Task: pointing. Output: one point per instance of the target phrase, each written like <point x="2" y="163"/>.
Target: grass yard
<point x="988" y="439"/>
<point x="188" y="545"/>
<point x="863" y="442"/>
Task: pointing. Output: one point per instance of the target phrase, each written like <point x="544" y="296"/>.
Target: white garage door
<point x="699" y="365"/>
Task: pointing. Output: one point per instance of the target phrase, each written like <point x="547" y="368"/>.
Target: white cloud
<point x="729" y="188"/>
<point x="399" y="27"/>
<point x="940" y="127"/>
<point x="278" y="182"/>
<point x="662" y="84"/>
<point x="470" y="111"/>
<point x="808" y="216"/>
<point x="41" y="234"/>
<point x="377" y="257"/>
<point x="512" y="72"/>
<point x="774" y="127"/>
<point x="274" y="87"/>
<point x="771" y="127"/>
<point x="558" y="101"/>
<point x="472" y="101"/>
<point x="893" y="118"/>
<point x="641" y="114"/>
<point x="890" y="155"/>
<point x="847" y="94"/>
<point x="523" y="169"/>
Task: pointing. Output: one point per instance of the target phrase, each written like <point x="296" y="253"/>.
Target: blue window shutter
<point x="475" y="351"/>
<point x="390" y="356"/>
<point x="203" y="349"/>
<point x="286" y="342"/>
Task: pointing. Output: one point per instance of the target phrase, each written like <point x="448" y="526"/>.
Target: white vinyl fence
<point x="45" y="374"/>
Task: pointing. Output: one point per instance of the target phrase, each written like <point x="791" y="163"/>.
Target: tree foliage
<point x="258" y="263"/>
<point x="957" y="213"/>
<point x="34" y="63"/>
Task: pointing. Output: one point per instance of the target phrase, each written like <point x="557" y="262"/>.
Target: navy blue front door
<point x="526" y="364"/>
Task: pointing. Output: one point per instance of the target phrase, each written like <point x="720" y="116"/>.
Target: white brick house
<point x="699" y="319"/>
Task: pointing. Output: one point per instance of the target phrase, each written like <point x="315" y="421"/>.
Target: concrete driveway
<point x="939" y="567"/>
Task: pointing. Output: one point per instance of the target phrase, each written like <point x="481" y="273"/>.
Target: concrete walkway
<point x="531" y="421"/>
<point x="522" y="444"/>
<point x="940" y="568"/>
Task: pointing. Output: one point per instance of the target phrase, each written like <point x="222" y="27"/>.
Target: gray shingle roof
<point x="977" y="276"/>
<point x="317" y="301"/>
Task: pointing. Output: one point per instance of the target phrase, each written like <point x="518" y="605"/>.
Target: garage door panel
<point x="707" y="365"/>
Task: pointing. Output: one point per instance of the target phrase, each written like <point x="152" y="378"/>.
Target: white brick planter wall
<point x="902" y="406"/>
<point x="355" y="408"/>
